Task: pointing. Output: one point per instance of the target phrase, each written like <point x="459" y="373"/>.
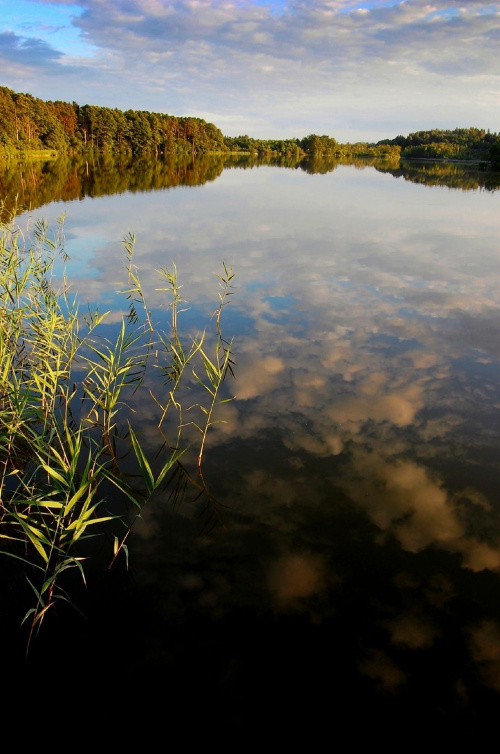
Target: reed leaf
<point x="64" y="389"/>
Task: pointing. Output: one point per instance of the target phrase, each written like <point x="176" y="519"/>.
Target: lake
<point x="353" y="571"/>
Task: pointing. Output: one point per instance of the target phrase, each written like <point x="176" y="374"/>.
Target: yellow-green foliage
<point x="63" y="389"/>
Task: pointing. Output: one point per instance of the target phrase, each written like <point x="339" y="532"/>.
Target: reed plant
<point x="66" y="430"/>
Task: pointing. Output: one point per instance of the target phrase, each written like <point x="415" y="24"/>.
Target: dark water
<point x="354" y="577"/>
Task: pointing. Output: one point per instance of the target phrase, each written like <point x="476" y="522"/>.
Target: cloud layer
<point x="272" y="69"/>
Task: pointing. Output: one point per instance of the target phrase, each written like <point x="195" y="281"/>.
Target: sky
<point x="357" y="71"/>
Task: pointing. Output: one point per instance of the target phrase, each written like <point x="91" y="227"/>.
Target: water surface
<point x="355" y="570"/>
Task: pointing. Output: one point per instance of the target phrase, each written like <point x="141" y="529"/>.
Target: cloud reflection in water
<point x="359" y="459"/>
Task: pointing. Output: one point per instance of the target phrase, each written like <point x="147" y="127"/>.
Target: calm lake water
<point x="355" y="572"/>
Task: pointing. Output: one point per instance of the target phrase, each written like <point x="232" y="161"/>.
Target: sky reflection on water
<point x="359" y="460"/>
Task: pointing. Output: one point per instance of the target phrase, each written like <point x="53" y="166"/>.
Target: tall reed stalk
<point x="64" y="393"/>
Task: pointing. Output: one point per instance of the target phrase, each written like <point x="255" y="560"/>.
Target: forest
<point x="310" y="145"/>
<point x="29" y="124"/>
<point x="461" y="144"/>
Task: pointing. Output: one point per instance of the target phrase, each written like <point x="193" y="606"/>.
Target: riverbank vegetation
<point x="29" y="125"/>
<point x="70" y="442"/>
<point x="460" y="144"/>
<point x="312" y="145"/>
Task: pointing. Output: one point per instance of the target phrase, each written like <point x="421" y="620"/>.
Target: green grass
<point x="64" y="394"/>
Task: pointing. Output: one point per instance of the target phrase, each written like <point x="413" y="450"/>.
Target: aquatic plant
<point x="66" y="428"/>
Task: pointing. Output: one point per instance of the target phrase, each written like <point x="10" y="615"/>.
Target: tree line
<point x="311" y="144"/>
<point x="459" y="144"/>
<point x="28" y="123"/>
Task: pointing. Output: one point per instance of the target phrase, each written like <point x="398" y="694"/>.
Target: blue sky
<point x="48" y="22"/>
<point x="354" y="70"/>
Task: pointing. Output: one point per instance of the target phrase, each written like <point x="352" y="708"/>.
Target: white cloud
<point x="323" y="66"/>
